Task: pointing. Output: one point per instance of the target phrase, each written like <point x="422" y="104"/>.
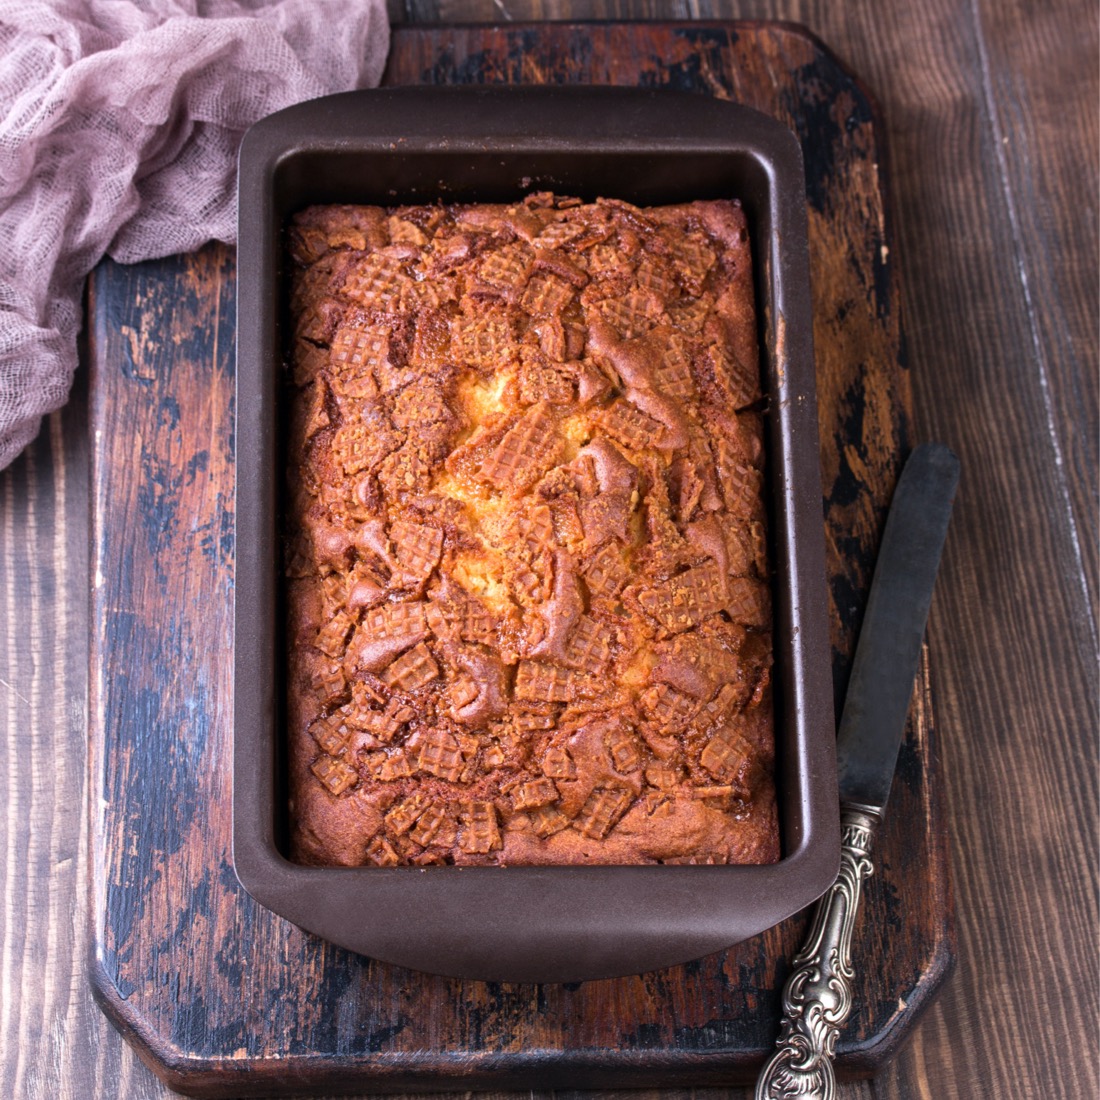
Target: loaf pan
<point x="416" y="145"/>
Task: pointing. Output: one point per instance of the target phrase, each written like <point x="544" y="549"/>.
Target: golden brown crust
<point x="529" y="610"/>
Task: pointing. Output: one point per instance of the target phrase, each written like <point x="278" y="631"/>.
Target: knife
<point x="818" y="994"/>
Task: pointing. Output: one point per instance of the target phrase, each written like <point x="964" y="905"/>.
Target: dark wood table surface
<point x="990" y="109"/>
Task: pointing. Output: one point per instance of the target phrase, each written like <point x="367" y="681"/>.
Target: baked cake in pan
<point x="527" y="580"/>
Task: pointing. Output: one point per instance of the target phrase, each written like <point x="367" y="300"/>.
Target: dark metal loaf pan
<point x="495" y="144"/>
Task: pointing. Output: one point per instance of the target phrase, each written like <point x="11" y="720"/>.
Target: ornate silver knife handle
<point x="818" y="995"/>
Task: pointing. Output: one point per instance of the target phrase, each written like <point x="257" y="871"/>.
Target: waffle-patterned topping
<point x="525" y="453"/>
<point x="741" y="484"/>
<point x="440" y="755"/>
<point x="316" y="410"/>
<point x="588" y="647"/>
<point x="412" y="670"/>
<point x="420" y="405"/>
<point x="357" y="351"/>
<point x="541" y="381"/>
<point x="532" y="581"/>
<point x="606" y="573"/>
<point x="356" y="448"/>
<point x="377" y="283"/>
<point x="528" y="580"/>
<point x="688" y="315"/>
<point x="624" y="751"/>
<point x="405" y="814"/>
<point x="535" y="793"/>
<point x="655" y="277"/>
<point x="332" y="638"/>
<point x="529" y="720"/>
<point x="328" y="683"/>
<point x="662" y="776"/>
<point x="558" y="764"/>
<point x="693" y="259"/>
<point x="632" y="314"/>
<point x="670" y="710"/>
<point x="329" y="735"/>
<point x="417" y="548"/>
<point x="540" y="682"/>
<point x="726" y="755"/>
<point x="387" y="724"/>
<point x="738" y="384"/>
<point x="479" y="832"/>
<point x="548" y="820"/>
<point x="393" y="766"/>
<point x="749" y="602"/>
<point x="673" y="369"/>
<point x="484" y="340"/>
<point x="507" y="268"/>
<point x="477" y="624"/>
<point x="552" y="338"/>
<point x="728" y="700"/>
<point x="382" y="853"/>
<point x="685" y="600"/>
<point x="631" y="427"/>
<point x="430" y="827"/>
<point x="535" y="528"/>
<point x="602" y="811"/>
<point x="336" y="776"/>
<point x="559" y="234"/>
<point x="396" y="620"/>
<point x="547" y="294"/>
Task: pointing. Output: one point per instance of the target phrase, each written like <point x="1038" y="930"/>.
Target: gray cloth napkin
<point x="119" y="127"/>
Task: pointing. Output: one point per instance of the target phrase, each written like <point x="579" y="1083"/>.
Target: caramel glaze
<point x="529" y="611"/>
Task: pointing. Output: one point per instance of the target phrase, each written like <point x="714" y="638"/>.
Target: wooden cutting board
<point x="221" y="997"/>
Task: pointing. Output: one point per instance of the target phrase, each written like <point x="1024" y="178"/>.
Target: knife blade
<point x="885" y="665"/>
<point x="817" y="997"/>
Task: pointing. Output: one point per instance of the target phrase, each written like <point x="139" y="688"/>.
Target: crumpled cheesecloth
<point x="119" y="127"/>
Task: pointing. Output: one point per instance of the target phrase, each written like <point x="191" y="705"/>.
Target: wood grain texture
<point x="43" y="559"/>
<point x="225" y="998"/>
<point x="1025" y="862"/>
<point x="1023" y="759"/>
<point x="1045" y="138"/>
<point x="1016" y="684"/>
